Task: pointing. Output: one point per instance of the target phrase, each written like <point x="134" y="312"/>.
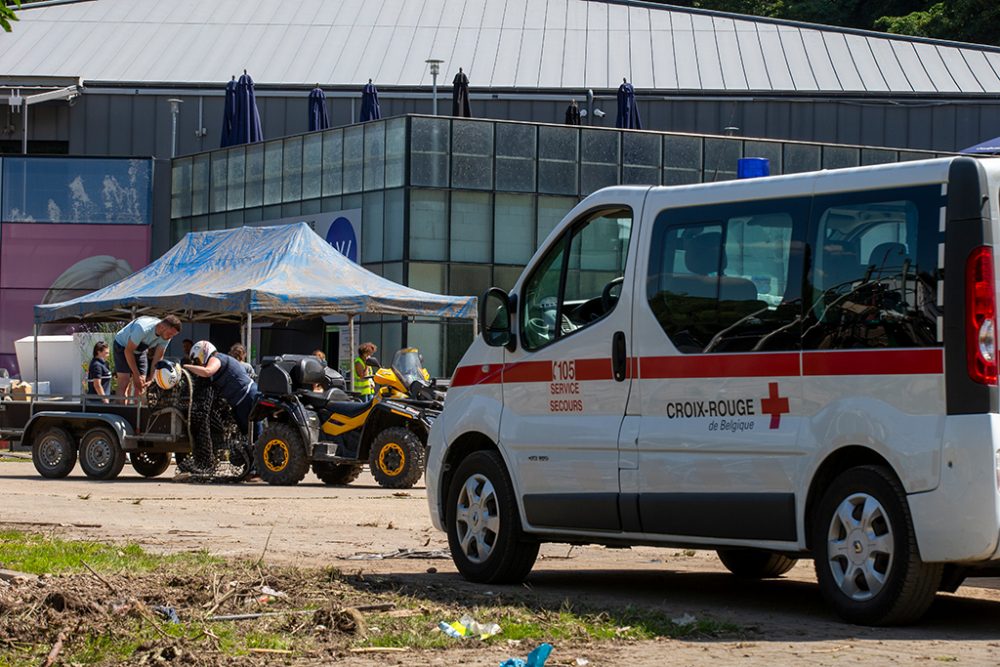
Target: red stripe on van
<point x="918" y="361"/>
<point x="528" y="371"/>
<point x="482" y="374"/>
<point x="593" y="369"/>
<point x="777" y="364"/>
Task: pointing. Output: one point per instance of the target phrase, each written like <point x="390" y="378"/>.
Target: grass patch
<point x="566" y="624"/>
<point x="13" y="459"/>
<point x="40" y="554"/>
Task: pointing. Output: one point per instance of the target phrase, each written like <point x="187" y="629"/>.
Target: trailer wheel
<point x="150" y="464"/>
<point x="397" y="458"/>
<point x="336" y="474"/>
<point x="54" y="453"/>
<point x="101" y="457"/>
<point x="280" y="455"/>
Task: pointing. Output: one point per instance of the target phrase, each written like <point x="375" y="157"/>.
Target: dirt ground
<point x="784" y="621"/>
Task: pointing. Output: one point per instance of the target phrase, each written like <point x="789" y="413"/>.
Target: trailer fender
<point x="78" y="422"/>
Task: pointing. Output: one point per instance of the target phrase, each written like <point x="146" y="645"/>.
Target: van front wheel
<point x="484" y="528"/>
<point x="755" y="563"/>
<point x="867" y="562"/>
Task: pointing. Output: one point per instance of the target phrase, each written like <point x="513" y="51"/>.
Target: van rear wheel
<point x="755" y="563"/>
<point x="483" y="524"/>
<point x="865" y="549"/>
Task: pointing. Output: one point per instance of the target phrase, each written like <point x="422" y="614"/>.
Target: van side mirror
<point x="494" y="318"/>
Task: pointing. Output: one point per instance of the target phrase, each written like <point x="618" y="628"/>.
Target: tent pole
<point x="249" y="336"/>
<point x="35" y="379"/>
<point x="350" y="353"/>
<point x="475" y="327"/>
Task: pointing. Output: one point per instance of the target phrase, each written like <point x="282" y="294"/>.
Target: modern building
<point x="93" y="77"/>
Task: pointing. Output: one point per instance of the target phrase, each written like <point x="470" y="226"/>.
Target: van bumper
<point x="436" y="447"/>
<point x="959" y="521"/>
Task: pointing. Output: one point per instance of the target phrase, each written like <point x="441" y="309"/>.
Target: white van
<point x="802" y="366"/>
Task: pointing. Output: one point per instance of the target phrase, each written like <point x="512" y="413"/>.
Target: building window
<point x="558" y="156"/>
<point x="428" y="225"/>
<point x="471" y="227"/>
<point x="430" y="145"/>
<point x="472" y="154"/>
<point x="516" y="157"/>
<point x="514" y="228"/>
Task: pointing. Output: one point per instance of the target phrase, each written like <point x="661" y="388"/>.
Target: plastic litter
<point x="168" y="613"/>
<point x="581" y="662"/>
<point x="684" y="621"/>
<point x="469" y="627"/>
<point x="536" y="658"/>
<point x="267" y="590"/>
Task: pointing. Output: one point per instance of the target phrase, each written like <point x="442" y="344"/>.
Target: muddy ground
<point x="312" y="526"/>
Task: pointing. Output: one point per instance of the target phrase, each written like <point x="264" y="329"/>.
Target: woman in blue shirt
<point x="99" y="373"/>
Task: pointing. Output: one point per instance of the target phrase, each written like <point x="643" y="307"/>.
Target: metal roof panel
<point x="797" y="59"/>
<point x="733" y="76"/>
<point x="959" y="69"/>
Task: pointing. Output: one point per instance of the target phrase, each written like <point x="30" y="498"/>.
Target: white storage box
<point x="62" y="361"/>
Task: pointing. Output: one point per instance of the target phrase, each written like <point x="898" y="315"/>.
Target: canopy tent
<point x="269" y="273"/>
<point x="272" y="273"/>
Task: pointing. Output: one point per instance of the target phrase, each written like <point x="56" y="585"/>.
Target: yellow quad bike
<point x="337" y="433"/>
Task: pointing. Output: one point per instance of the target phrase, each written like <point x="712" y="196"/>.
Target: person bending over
<point x="131" y="343"/>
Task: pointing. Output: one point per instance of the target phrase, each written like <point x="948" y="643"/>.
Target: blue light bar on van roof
<point x="753" y="167"/>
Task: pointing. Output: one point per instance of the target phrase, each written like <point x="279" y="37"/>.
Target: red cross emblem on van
<point x="774" y="405"/>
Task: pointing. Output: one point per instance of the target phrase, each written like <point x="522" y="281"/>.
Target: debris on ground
<point x="469" y="627"/>
<point x="536" y="658"/>
<point x="400" y="553"/>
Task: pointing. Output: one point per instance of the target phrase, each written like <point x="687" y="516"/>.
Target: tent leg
<point x="354" y="344"/>
<point x="475" y="327"/>
<point x="35" y="379"/>
<point x="249" y="334"/>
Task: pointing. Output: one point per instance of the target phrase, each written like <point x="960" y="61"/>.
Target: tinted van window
<point x="728" y="278"/>
<point x="875" y="270"/>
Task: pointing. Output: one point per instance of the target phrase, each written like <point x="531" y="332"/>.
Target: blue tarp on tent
<point x="275" y="273"/>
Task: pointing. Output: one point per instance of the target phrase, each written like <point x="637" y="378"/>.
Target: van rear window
<point x="841" y="271"/>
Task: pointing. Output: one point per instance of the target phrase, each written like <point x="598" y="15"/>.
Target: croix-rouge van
<point x="802" y="366"/>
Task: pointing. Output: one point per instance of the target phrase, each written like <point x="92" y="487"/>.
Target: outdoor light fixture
<point x="435" y="70"/>
<point x="175" y="109"/>
<point x="15" y="100"/>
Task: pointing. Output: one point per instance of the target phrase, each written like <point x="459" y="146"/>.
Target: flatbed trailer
<point x="60" y="430"/>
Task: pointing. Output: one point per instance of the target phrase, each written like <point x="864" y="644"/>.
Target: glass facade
<point x="456" y="205"/>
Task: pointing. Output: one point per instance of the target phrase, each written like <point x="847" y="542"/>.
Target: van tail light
<point x="981" y="317"/>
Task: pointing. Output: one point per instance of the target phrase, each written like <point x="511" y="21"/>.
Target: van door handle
<point x="619" y="358"/>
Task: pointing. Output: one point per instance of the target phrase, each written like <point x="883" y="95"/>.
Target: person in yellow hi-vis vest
<point x="362" y="383"/>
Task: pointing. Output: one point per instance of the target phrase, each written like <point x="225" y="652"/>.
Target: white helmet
<point x="201" y="352"/>
<point x="167" y="374"/>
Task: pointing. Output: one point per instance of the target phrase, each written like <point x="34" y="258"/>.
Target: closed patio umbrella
<point x="247" y="128"/>
<point x="628" y="111"/>
<point x="229" y="115"/>
<point x="319" y="119"/>
<point x="370" y="109"/>
<point x="460" y="96"/>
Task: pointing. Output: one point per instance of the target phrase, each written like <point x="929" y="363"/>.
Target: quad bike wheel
<point x="336" y="474"/>
<point x="54" y="453"/>
<point x="101" y="457"/>
<point x="150" y="464"/>
<point x="281" y="455"/>
<point x="397" y="458"/>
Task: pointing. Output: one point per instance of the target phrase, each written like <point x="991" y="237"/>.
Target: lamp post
<point x="175" y="109"/>
<point x="435" y="70"/>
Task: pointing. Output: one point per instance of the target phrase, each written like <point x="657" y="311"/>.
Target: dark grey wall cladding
<point x="101" y="124"/>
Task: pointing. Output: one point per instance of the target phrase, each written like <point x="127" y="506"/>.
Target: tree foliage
<point x="975" y="21"/>
<point x="7" y="13"/>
